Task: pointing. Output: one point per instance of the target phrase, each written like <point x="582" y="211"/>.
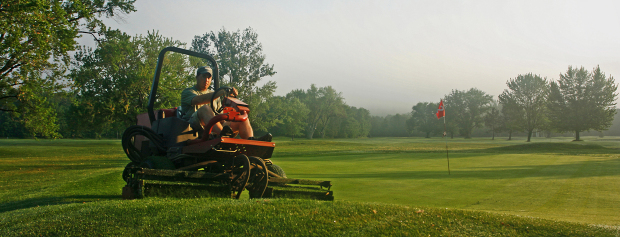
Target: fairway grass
<point x="549" y="178"/>
<point x="552" y="182"/>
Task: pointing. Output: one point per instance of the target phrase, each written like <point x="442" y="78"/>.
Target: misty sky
<point x="387" y="56"/>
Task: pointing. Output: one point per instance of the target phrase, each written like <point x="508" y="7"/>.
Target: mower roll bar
<point x="160" y="61"/>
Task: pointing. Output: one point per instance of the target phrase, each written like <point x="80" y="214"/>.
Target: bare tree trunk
<point x="509" y="134"/>
<point x="529" y="135"/>
<point x="324" y="127"/>
<point x="468" y="135"/>
<point x="577" y="136"/>
<point x="311" y="130"/>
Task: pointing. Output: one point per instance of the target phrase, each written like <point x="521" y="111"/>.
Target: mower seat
<point x="175" y="131"/>
<point x="170" y="126"/>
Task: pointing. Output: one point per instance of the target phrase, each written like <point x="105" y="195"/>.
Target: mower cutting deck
<point x="168" y="158"/>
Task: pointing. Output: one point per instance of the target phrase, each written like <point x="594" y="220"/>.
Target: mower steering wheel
<point x="228" y="90"/>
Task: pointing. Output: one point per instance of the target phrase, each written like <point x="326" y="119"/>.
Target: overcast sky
<point x="386" y="56"/>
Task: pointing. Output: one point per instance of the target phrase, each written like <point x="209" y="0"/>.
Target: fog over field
<point x="387" y="56"/>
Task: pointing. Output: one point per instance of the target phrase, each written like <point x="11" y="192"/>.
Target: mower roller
<point x="168" y="158"/>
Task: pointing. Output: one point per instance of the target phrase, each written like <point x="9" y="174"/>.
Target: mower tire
<point x="277" y="170"/>
<point x="127" y="169"/>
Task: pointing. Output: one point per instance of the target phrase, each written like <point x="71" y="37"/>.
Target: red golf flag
<point x="440" y="112"/>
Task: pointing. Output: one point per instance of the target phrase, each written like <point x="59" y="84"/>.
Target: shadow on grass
<point x="530" y="148"/>
<point x="561" y="171"/>
<point x="59" y="142"/>
<point x="48" y="201"/>
<point x="69" y="165"/>
<point x="556" y="148"/>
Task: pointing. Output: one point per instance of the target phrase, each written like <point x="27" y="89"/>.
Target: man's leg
<point x="244" y="128"/>
<point x="205" y="114"/>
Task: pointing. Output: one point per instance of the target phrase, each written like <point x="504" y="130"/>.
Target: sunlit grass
<point x="47" y="185"/>
<point x="223" y="217"/>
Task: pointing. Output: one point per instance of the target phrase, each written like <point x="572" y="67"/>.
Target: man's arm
<point x="206" y="98"/>
<point x="202" y="99"/>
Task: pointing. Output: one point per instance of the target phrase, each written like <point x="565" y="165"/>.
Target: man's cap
<point x="203" y="70"/>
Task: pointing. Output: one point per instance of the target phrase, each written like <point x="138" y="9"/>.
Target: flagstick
<point x="445" y="135"/>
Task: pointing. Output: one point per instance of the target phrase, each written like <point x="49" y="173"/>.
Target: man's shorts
<point x="194" y="122"/>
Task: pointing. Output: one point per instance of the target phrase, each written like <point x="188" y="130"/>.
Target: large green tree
<point x="466" y="108"/>
<point x="389" y="126"/>
<point x="582" y="101"/>
<point x="493" y="119"/>
<point x="353" y="123"/>
<point x="242" y="65"/>
<point x="293" y="115"/>
<point x="35" y="40"/>
<point x="324" y="104"/>
<point x="358" y="122"/>
<point x="526" y="98"/>
<point x="287" y="115"/>
<point x="423" y="119"/>
<point x="510" y="118"/>
<point x="112" y="82"/>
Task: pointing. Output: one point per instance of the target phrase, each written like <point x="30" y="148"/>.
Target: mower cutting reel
<point x="168" y="158"/>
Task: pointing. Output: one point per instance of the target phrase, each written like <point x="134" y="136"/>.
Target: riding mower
<point x="168" y="158"/>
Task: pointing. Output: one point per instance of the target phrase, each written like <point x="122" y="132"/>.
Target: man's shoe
<point x="266" y="138"/>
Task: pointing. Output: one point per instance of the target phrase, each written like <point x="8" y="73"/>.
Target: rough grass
<point x="205" y="217"/>
<point x="550" y="187"/>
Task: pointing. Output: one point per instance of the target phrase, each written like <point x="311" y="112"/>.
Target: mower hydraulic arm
<point x="232" y="116"/>
<point x="237" y="111"/>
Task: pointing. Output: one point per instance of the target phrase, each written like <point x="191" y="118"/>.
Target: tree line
<point x="111" y="84"/>
<point x="47" y="91"/>
<point x="97" y="92"/>
<point x="579" y="101"/>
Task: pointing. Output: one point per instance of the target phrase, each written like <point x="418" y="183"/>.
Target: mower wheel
<point x="259" y="177"/>
<point x="277" y="170"/>
<point x="127" y="170"/>
<point x="241" y="174"/>
<point x="147" y="164"/>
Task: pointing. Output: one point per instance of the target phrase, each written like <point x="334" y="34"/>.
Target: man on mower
<point x="194" y="99"/>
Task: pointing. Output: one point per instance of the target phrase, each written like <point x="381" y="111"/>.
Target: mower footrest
<point x="185" y="190"/>
<point x="181" y="176"/>
<point x="299" y="189"/>
<point x="281" y="181"/>
<point x="295" y="192"/>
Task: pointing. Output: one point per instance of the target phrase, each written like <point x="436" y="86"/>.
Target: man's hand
<point x="206" y="98"/>
<point x="219" y="94"/>
<point x="234" y="92"/>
